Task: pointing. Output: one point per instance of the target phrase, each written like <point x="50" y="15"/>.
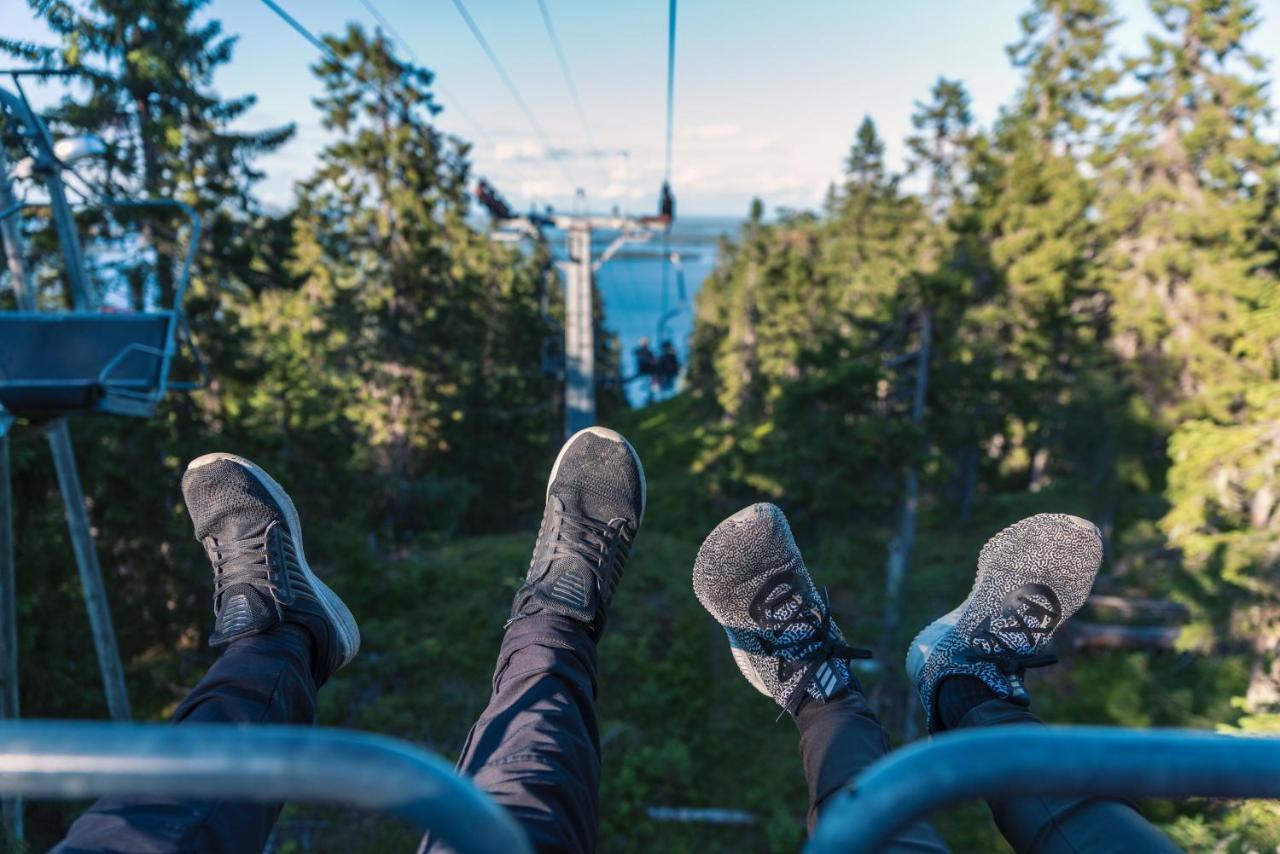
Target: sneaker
<point x="250" y="530"/>
<point x="750" y="576"/>
<point x="1032" y="577"/>
<point x="595" y="502"/>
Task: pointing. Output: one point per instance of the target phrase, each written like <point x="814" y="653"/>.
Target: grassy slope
<point x="680" y="726"/>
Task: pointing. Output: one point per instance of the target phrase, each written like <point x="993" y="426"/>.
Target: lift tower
<point x="579" y="268"/>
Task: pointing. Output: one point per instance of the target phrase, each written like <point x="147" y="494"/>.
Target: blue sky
<point x="767" y="93"/>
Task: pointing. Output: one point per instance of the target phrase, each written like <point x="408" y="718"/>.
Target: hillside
<point x="680" y="727"/>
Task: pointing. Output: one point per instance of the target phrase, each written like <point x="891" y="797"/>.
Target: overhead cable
<point x="511" y="86"/>
<point x="404" y="45"/>
<point x="568" y="77"/>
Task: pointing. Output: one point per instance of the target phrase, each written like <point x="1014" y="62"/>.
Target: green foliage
<point x="1098" y="271"/>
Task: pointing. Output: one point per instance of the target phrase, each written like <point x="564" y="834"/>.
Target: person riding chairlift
<point x="668" y="366"/>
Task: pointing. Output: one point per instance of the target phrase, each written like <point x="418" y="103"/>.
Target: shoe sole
<point x="340" y="616"/>
<point x="992" y="585"/>
<point x="740" y="656"/>
<point x="612" y="436"/>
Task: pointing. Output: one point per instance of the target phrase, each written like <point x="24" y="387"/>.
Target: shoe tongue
<point x="244" y="610"/>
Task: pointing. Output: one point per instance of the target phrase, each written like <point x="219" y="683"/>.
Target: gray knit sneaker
<point x="1032" y="577"/>
<point x="749" y="574"/>
<point x="251" y="533"/>
<point x="595" y="502"/>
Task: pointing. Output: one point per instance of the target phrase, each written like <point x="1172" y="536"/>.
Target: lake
<point x="643" y="297"/>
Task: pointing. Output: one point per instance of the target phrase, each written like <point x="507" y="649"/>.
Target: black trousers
<point x="536" y="750"/>
<point x="838" y="740"/>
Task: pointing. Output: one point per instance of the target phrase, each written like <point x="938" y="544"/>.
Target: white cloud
<point x="524" y="149"/>
<point x="712" y="131"/>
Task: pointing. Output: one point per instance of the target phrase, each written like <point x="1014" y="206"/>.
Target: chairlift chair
<point x="54" y="364"/>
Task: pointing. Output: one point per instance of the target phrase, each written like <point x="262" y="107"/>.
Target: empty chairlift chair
<point x="54" y="364"/>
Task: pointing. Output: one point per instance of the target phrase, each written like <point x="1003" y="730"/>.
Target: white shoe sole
<point x="612" y="436"/>
<point x="340" y="616"/>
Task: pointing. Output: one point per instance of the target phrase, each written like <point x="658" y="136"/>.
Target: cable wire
<point x="454" y="103"/>
<point x="568" y="77"/>
<point x="510" y="84"/>
<point x="671" y="85"/>
<point x="319" y="45"/>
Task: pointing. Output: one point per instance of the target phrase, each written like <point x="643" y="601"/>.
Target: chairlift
<point x="54" y="364"/>
<point x="59" y="363"/>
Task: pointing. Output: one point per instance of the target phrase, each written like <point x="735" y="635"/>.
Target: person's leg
<point x="839" y="739"/>
<point x="1046" y="825"/>
<point x="258" y="680"/>
<point x="968" y="668"/>
<point x="284" y="633"/>
<point x="750" y="576"/>
<point x="536" y="749"/>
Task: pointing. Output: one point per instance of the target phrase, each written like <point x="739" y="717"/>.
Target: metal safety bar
<point x="262" y="764"/>
<point x="1029" y="760"/>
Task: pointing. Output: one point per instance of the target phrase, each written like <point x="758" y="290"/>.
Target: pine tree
<point x="1190" y="202"/>
<point x="423" y="336"/>
<point x="1036" y="215"/>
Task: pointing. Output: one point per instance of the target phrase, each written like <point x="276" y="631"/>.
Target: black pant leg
<point x="261" y="679"/>
<point x="536" y="747"/>
<point x="1064" y="825"/>
<point x="838" y="741"/>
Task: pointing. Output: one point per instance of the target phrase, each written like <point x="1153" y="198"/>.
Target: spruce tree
<point x="1036" y="213"/>
<point x="424" y="336"/>
<point x="1190" y="204"/>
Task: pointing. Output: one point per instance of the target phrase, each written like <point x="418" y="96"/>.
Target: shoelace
<point x="240" y="561"/>
<point x="1014" y="665"/>
<point x="814" y="650"/>
<point x="603" y="546"/>
<point x="611" y="541"/>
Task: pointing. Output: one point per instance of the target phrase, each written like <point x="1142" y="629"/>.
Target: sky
<point x="767" y="94"/>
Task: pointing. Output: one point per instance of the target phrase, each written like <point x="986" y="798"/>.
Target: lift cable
<point x="511" y="87"/>
<point x="568" y="77"/>
<point x="671" y="85"/>
<point x="320" y="45"/>
<point x="400" y="40"/>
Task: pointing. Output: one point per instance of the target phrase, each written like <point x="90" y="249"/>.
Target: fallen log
<point x="1127" y="607"/>
<point x="1099" y="636"/>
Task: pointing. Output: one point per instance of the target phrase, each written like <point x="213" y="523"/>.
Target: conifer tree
<point x="1190" y="204"/>
<point x="424" y="337"/>
<point x="1036" y="215"/>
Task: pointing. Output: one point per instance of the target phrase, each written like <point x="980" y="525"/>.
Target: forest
<point x="1073" y="310"/>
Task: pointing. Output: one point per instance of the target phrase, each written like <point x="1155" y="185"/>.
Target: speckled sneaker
<point x="250" y="530"/>
<point x="749" y="574"/>
<point x="1032" y="577"/>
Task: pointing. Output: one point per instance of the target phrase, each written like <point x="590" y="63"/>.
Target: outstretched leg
<point x="284" y="631"/>
<point x="968" y="668"/>
<point x="749" y="574"/>
<point x="536" y="749"/>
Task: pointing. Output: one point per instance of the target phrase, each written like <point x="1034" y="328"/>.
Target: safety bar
<point x="262" y="764"/>
<point x="1011" y="761"/>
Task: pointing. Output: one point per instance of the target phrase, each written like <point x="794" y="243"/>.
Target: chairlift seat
<point x="54" y="364"/>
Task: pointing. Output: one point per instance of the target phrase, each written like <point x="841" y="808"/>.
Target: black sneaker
<point x="749" y="574"/>
<point x="1032" y="577"/>
<point x="250" y="530"/>
<point x="595" y="501"/>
